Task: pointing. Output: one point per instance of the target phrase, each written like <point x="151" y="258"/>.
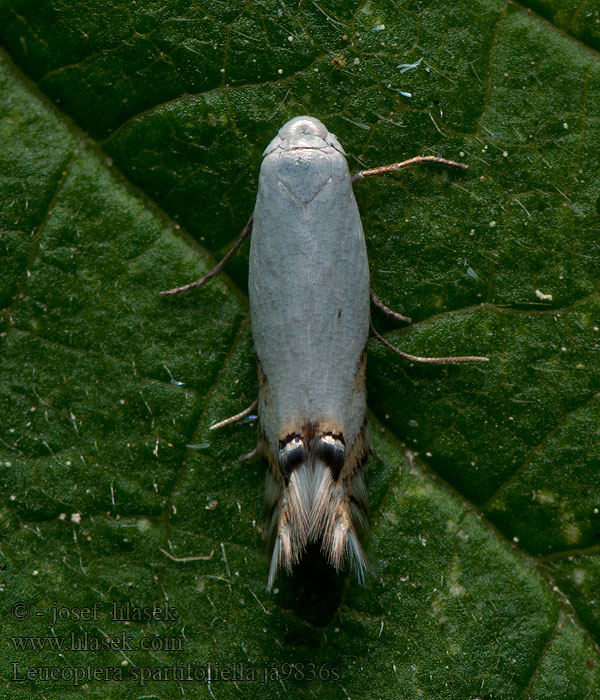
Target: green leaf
<point x="486" y="499"/>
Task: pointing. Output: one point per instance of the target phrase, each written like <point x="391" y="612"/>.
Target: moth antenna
<point x="386" y="309"/>
<point x="393" y="167"/>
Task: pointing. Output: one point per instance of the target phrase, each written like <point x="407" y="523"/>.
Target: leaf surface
<point x="130" y="141"/>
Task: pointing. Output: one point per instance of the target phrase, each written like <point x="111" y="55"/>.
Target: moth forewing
<point x="309" y="305"/>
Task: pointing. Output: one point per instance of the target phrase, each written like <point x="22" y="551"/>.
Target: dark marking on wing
<point x="263" y="383"/>
<point x="361" y="371"/>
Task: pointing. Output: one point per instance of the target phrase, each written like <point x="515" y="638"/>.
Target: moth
<point x="309" y="293"/>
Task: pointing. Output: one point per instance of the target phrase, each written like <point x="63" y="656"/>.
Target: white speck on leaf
<point x="408" y="66"/>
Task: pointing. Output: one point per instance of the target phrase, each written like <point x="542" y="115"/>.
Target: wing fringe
<point x="315" y="506"/>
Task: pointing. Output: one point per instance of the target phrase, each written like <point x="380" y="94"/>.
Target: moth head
<point x="304" y="132"/>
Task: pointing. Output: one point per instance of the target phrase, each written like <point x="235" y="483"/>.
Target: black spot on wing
<point x="331" y="450"/>
<point x="292" y="452"/>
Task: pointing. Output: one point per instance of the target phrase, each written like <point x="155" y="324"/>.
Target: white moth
<point x="308" y="283"/>
<point x="309" y="304"/>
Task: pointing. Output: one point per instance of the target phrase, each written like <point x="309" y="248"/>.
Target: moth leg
<point x="432" y="360"/>
<point x="376" y="455"/>
<point x="386" y="309"/>
<point x="238" y="416"/>
<point x="393" y="167"/>
<point x="247" y="230"/>
<point x="203" y="557"/>
<point x="250" y="455"/>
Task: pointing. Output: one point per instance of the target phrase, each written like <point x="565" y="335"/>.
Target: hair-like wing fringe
<point x="338" y="519"/>
<point x="316" y="507"/>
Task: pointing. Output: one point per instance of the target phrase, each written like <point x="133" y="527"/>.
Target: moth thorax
<point x="305" y="172"/>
